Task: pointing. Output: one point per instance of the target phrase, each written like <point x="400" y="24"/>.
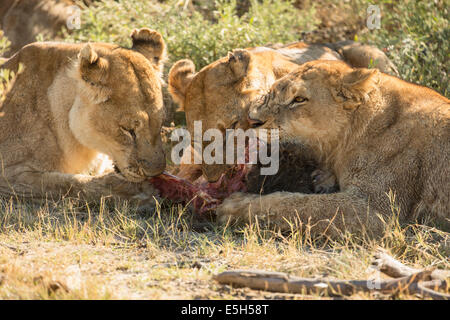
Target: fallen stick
<point x="395" y="269"/>
<point x="408" y="280"/>
<point x="281" y="282"/>
<point x="428" y="288"/>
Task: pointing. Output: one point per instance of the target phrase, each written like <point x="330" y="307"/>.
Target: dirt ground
<point x="112" y="252"/>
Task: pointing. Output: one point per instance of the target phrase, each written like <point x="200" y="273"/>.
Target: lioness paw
<point x="236" y="208"/>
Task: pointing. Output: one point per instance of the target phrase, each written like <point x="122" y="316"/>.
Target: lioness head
<point x="316" y="104"/>
<point x="118" y="109"/>
<point x="220" y="94"/>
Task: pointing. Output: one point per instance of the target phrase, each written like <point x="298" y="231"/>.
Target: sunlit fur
<point x="220" y="94"/>
<point x="75" y="105"/>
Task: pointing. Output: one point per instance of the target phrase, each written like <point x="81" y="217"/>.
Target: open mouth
<point x="128" y="175"/>
<point x="255" y="123"/>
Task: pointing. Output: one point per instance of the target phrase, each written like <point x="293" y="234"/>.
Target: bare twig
<point x="281" y="282"/>
<point x="428" y="288"/>
<point x="395" y="269"/>
<point x="390" y="266"/>
<point x="407" y="280"/>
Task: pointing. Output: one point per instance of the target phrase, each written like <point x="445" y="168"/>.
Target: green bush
<point x="6" y="76"/>
<point x="189" y="33"/>
<point x="416" y="34"/>
<point x="4" y="44"/>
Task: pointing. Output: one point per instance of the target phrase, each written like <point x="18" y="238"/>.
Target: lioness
<point x="376" y="133"/>
<point x="219" y="95"/>
<point x="75" y="103"/>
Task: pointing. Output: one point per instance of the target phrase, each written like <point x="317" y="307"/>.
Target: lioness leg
<point x="329" y="214"/>
<point x="54" y="185"/>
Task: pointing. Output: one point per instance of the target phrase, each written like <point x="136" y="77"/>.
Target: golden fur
<point x="219" y="95"/>
<point x="378" y="134"/>
<point x="74" y="106"/>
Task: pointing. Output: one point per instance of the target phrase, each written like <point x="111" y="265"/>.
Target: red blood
<point x="203" y="196"/>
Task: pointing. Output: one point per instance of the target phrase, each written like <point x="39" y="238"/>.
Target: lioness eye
<point x="300" y="99"/>
<point x="296" y="101"/>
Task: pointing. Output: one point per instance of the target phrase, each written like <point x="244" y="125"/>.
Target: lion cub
<point x="75" y="104"/>
<point x="378" y="134"/>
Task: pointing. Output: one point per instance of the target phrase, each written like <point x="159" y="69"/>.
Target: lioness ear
<point x="150" y="43"/>
<point x="93" y="70"/>
<point x="240" y="62"/>
<point x="356" y="86"/>
<point x="87" y="54"/>
<point x="91" y="66"/>
<point x="180" y="76"/>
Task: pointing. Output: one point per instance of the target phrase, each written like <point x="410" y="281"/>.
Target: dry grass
<point x="70" y="251"/>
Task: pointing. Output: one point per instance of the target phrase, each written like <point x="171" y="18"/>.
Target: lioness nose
<point x="254" y="123"/>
